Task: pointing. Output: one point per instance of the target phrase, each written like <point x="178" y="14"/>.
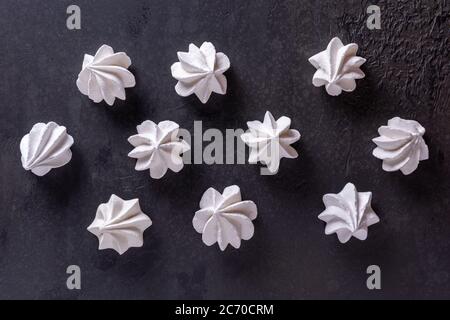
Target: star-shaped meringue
<point x="200" y="71"/>
<point x="105" y="75"/>
<point x="158" y="148"/>
<point x="401" y="145"/>
<point x="46" y="147"/>
<point x="120" y="224"/>
<point x="348" y="213"/>
<point x="337" y="67"/>
<point x="270" y="141"/>
<point x="225" y="218"/>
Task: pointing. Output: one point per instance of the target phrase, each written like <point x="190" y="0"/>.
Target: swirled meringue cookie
<point x="270" y="141"/>
<point x="105" y="75"/>
<point x="401" y="145"/>
<point x="46" y="147"/>
<point x="119" y="224"/>
<point x="348" y="213"/>
<point x="225" y="218"/>
<point x="157" y="148"/>
<point x="337" y="67"/>
<point x="200" y="72"/>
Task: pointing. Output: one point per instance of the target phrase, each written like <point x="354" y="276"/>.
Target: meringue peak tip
<point x="105" y="46"/>
<point x="335" y="38"/>
<point x="350" y="185"/>
<point x="209" y="43"/>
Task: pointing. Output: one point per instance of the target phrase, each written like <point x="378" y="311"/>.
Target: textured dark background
<point x="43" y="220"/>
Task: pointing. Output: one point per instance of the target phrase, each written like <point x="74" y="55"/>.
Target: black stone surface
<point x="43" y="220"/>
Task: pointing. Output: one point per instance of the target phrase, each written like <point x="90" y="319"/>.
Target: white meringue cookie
<point x="46" y="147"/>
<point x="270" y="141"/>
<point x="119" y="224"/>
<point x="401" y="145"/>
<point x="105" y="76"/>
<point x="200" y="71"/>
<point x="337" y="67"/>
<point x="225" y="218"/>
<point x="158" y="148"/>
<point x="348" y="213"/>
